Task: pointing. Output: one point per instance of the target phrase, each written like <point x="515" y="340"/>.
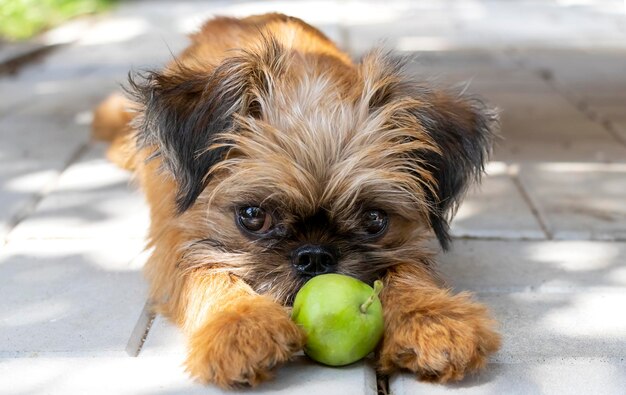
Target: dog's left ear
<point x="463" y="131"/>
<point x="185" y="109"/>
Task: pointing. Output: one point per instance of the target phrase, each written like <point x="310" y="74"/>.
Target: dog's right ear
<point x="184" y="109"/>
<point x="460" y="129"/>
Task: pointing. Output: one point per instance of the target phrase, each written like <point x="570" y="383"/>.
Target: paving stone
<point x="558" y="376"/>
<point x="57" y="85"/>
<point x="67" y="101"/>
<point x="62" y="296"/>
<point x="68" y="306"/>
<point x="578" y="200"/>
<point x="14" y="50"/>
<point x="495" y="82"/>
<point x="21" y="185"/>
<point x="33" y="152"/>
<point x="449" y="25"/>
<point x="602" y="150"/>
<point x="67" y="374"/>
<point x="613" y="110"/>
<point x="543" y="117"/>
<point x="570" y="324"/>
<point x="552" y="298"/>
<point x="479" y="62"/>
<point x="590" y="73"/>
<point x="40" y="138"/>
<point x="174" y="18"/>
<point x="475" y="72"/>
<point x="300" y="376"/>
<point x="164" y="338"/>
<point x="496" y="209"/>
<point x="93" y="198"/>
<point x="486" y="266"/>
<point x="546" y="127"/>
<point x="620" y="129"/>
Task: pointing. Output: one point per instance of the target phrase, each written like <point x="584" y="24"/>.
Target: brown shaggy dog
<point x="267" y="157"/>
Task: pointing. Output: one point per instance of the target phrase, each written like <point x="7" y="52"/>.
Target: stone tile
<point x="68" y="82"/>
<point x="602" y="150"/>
<point x="14" y="50"/>
<point x="67" y="101"/>
<point x="590" y="73"/>
<point x="614" y="110"/>
<point x="553" y="299"/>
<point x="164" y="338"/>
<point x="486" y="266"/>
<point x="495" y="82"/>
<point x="69" y="374"/>
<point x="172" y="19"/>
<point x="620" y="128"/>
<point x="300" y="376"/>
<point x="546" y="127"/>
<point x="445" y="26"/>
<point x="475" y="72"/>
<point x="62" y="295"/>
<point x="21" y="184"/>
<point x="569" y="324"/>
<point x="475" y="62"/>
<point x="543" y="116"/>
<point x="77" y="375"/>
<point x="33" y="152"/>
<point x="496" y="209"/>
<point x="550" y="377"/>
<point x="93" y="198"/>
<point x="578" y="200"/>
<point x="40" y="138"/>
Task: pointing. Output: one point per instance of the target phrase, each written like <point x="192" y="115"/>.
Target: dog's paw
<point x="241" y="345"/>
<point x="439" y="345"/>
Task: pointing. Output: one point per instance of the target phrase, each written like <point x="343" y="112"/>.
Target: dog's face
<point x="286" y="171"/>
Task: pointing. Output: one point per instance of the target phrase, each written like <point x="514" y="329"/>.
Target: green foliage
<point x="21" y="19"/>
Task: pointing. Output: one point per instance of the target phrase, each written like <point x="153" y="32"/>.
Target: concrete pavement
<point x="542" y="242"/>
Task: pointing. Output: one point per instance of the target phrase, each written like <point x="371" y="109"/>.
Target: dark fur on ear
<point x="464" y="130"/>
<point x="461" y="128"/>
<point x="183" y="110"/>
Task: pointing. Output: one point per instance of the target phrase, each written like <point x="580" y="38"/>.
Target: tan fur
<point x="318" y="147"/>
<point x="111" y="123"/>
<point x="246" y="337"/>
<point x="431" y="332"/>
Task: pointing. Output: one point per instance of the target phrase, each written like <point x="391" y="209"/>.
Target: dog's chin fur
<point x="266" y="111"/>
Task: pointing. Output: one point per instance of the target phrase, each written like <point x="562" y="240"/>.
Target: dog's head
<point x="289" y="166"/>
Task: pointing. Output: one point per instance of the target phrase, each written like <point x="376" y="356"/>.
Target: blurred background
<point x="495" y="48"/>
<point x="542" y="242"/>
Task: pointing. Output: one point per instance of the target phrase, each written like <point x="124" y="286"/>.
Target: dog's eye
<point x="254" y="219"/>
<point x="375" y="222"/>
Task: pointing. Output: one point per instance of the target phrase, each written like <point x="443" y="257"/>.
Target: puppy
<point x="268" y="157"/>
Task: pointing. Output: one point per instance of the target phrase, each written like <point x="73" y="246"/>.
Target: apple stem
<point x="378" y="286"/>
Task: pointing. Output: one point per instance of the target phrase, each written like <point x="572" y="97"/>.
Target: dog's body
<point x="267" y="156"/>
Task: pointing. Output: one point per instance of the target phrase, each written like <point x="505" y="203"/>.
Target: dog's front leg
<point x="236" y="337"/>
<point x="431" y="332"/>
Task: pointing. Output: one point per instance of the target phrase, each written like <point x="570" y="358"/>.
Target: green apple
<point x="341" y="316"/>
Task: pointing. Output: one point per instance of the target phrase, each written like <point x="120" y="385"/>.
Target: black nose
<point x="311" y="260"/>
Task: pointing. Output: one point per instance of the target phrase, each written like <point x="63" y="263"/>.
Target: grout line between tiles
<point x="584" y="107"/>
<point x="31" y="206"/>
<point x="382" y="384"/>
<point x="501" y="238"/>
<point x="549" y="77"/>
<point x="140" y="332"/>
<point x="513" y="172"/>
